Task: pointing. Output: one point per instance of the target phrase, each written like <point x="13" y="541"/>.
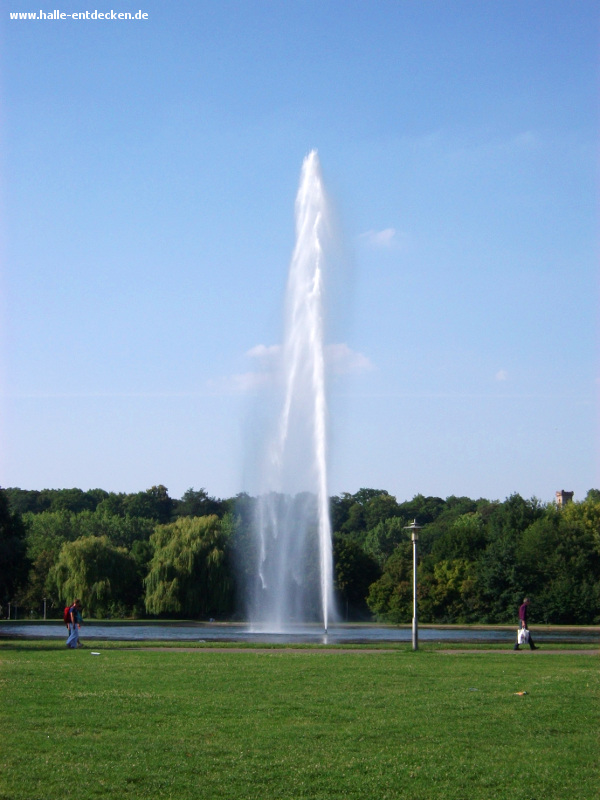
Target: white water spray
<point x="294" y="548"/>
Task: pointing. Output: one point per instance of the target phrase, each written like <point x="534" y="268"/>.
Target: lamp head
<point x="414" y="529"/>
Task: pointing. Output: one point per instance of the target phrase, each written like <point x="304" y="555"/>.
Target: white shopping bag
<point x="523" y="637"/>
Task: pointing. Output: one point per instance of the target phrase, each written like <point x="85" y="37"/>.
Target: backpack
<point x="67" y="615"/>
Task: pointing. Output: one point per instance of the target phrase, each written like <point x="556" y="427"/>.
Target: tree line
<point x="148" y="555"/>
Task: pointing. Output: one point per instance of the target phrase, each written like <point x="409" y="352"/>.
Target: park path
<point x="356" y="651"/>
<point x="530" y="652"/>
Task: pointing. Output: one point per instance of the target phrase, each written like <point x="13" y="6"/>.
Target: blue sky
<point x="149" y="170"/>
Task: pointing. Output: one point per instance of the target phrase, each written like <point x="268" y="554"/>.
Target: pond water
<point x="339" y="634"/>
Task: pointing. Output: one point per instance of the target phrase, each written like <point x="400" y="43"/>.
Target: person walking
<point x="523" y="624"/>
<point x="75" y="625"/>
<point x="67" y="618"/>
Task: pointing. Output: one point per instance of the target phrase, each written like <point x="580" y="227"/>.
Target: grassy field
<point x="306" y="723"/>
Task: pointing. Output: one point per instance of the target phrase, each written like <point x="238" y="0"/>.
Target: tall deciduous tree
<point x="381" y="541"/>
<point x="355" y="571"/>
<point x="189" y="572"/>
<point x="198" y="503"/>
<point x="585" y="517"/>
<point x="103" y="576"/>
<point x="390" y="597"/>
<point x="154" y="503"/>
<point x="449" y="592"/>
<point x="464" y="539"/>
<point x="13" y="557"/>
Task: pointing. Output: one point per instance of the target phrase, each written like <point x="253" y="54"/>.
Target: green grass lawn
<point x="296" y="724"/>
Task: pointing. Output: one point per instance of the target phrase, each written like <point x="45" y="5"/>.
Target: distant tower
<point x="562" y="498"/>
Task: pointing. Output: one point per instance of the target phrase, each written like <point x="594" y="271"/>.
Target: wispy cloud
<point x="112" y="395"/>
<point x="266" y="354"/>
<point x="385" y="238"/>
<point x="502" y="375"/>
<point x="490" y="150"/>
<point x="239" y="384"/>
<point x="340" y="360"/>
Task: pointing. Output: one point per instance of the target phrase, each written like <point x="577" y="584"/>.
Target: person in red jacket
<point x="523" y="623"/>
<point x="75" y="619"/>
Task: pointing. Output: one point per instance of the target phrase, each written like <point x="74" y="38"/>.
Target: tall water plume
<point x="293" y="529"/>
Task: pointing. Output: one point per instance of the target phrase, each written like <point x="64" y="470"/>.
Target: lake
<point x="302" y="634"/>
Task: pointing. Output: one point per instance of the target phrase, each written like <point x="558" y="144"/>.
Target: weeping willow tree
<point x="189" y="573"/>
<point x="103" y="576"/>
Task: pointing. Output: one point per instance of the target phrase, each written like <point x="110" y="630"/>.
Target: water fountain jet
<point x="292" y="527"/>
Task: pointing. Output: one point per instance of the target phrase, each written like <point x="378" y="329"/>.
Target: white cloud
<point x="248" y="382"/>
<point x="340" y="360"/>
<point x="343" y="360"/>
<point x="241" y="383"/>
<point x="384" y="238"/>
<point x="267" y="355"/>
<point x="502" y="375"/>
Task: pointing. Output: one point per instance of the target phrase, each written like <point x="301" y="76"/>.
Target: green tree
<point x="439" y="528"/>
<point x="354" y="571"/>
<point x="189" y="571"/>
<point x="423" y="509"/>
<point x="23" y="501"/>
<point x="558" y="562"/>
<point x="122" y="531"/>
<point x="103" y="576"/>
<point x="364" y="496"/>
<point x="35" y="502"/>
<point x="113" y="504"/>
<point x="356" y="523"/>
<point x="381" y="541"/>
<point x="339" y="507"/>
<point x="354" y="514"/>
<point x="76" y="500"/>
<point x="390" y="597"/>
<point x="49" y="530"/>
<point x="450" y="593"/>
<point x="585" y="517"/>
<point x="501" y="582"/>
<point x="142" y="552"/>
<point x="460" y="505"/>
<point x="465" y="539"/>
<point x="14" y="564"/>
<point x="197" y="503"/>
<point x="40" y="587"/>
<point x="381" y="508"/>
<point x="514" y="515"/>
<point x="155" y="504"/>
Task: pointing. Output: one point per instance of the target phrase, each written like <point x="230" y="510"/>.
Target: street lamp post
<point x="414" y="529"/>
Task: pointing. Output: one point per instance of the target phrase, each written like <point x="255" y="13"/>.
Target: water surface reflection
<point x="339" y="634"/>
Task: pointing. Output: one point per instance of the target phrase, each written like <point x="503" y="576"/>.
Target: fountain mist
<point x="293" y="528"/>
